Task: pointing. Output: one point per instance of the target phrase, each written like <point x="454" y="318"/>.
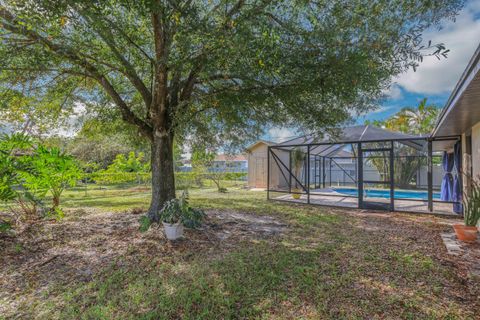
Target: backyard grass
<point x="253" y="258"/>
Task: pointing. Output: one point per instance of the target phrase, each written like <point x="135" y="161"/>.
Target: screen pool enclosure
<point x="368" y="167"/>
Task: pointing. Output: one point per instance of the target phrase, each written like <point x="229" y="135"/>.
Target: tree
<point x="29" y="170"/>
<point x="203" y="166"/>
<point x="100" y="140"/>
<point x="14" y="165"/>
<point x="124" y="169"/>
<point x="217" y="70"/>
<point x="53" y="171"/>
<point x="417" y="121"/>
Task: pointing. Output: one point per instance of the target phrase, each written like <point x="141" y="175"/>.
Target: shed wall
<point x="257" y="166"/>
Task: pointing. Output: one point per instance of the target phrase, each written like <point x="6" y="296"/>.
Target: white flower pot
<point x="173" y="231"/>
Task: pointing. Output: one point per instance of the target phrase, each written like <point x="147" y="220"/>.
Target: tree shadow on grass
<point x="255" y="281"/>
<point x="360" y="268"/>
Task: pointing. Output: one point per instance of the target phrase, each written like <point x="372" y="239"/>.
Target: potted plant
<point x="297" y="159"/>
<point x="468" y="232"/>
<point x="177" y="214"/>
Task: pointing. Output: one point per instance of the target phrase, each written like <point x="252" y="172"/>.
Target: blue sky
<point x="434" y="79"/>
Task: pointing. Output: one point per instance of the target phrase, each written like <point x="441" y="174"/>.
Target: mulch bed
<point x="74" y="250"/>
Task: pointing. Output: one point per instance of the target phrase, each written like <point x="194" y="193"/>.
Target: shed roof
<point x="268" y="143"/>
<point x="230" y="157"/>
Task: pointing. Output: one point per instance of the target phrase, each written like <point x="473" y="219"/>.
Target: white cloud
<point x="280" y="134"/>
<point x="394" y="92"/>
<point x="74" y="122"/>
<point x="462" y="38"/>
<point x="382" y="109"/>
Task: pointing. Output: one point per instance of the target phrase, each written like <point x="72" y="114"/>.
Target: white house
<point x="461" y="116"/>
<point x="230" y="163"/>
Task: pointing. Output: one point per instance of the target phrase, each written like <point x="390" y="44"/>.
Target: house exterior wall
<point x="476" y="150"/>
<point x="229" y="166"/>
<point x="422" y="177"/>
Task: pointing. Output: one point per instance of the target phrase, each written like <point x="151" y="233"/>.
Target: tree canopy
<point x="208" y="70"/>
<point x="413" y="120"/>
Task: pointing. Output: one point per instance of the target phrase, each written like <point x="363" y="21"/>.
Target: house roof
<point x="332" y="144"/>
<point x="462" y="109"/>
<point x="228" y="157"/>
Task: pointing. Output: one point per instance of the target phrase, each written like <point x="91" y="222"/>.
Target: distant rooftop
<point x="227" y="157"/>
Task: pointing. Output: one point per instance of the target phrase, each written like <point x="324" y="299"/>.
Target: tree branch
<point x="130" y="72"/>
<point x="129" y="39"/>
<point x="11" y="23"/>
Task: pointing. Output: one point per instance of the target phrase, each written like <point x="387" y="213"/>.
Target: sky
<point x="433" y="79"/>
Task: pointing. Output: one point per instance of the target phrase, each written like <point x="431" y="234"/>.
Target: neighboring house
<point x="186" y="166"/>
<point x="221" y="163"/>
<point x="229" y="163"/>
<point x="461" y="116"/>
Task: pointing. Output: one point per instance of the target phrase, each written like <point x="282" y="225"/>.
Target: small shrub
<point x="171" y="211"/>
<point x="5" y="226"/>
<point x="178" y="210"/>
<point x="222" y="190"/>
<point x="55" y="213"/>
<point x="145" y="223"/>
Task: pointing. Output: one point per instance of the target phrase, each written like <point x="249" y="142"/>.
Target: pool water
<point x="398" y="194"/>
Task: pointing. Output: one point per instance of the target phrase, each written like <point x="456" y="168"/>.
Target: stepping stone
<point x="452" y="244"/>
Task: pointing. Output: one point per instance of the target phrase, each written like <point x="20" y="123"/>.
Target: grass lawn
<point x="252" y="259"/>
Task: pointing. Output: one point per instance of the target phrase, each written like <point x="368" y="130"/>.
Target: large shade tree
<point x="216" y="70"/>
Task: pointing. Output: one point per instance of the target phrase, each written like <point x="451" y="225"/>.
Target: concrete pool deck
<point x="329" y="197"/>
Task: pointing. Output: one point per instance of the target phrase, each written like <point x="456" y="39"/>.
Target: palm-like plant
<point x="422" y="119"/>
<point x="419" y="120"/>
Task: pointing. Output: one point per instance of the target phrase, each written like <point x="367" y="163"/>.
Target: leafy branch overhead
<point x="226" y="62"/>
<point x="210" y="71"/>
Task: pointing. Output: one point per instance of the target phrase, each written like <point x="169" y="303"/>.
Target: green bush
<point x="232" y="176"/>
<point x="179" y="210"/>
<point x="130" y="169"/>
<point x="145" y="223"/>
<point x="52" y="171"/>
<point x="30" y="170"/>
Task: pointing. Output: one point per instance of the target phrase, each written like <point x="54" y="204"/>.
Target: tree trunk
<point x="163" y="179"/>
<point x="56" y="201"/>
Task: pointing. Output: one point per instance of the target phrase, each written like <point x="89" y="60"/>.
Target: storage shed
<point x="257" y="163"/>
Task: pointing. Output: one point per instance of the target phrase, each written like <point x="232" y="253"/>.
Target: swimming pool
<point x="398" y="194"/>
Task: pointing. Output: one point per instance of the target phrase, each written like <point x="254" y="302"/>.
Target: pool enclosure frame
<point x="362" y="149"/>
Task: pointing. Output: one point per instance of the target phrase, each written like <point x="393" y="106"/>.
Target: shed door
<point x="260" y="178"/>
